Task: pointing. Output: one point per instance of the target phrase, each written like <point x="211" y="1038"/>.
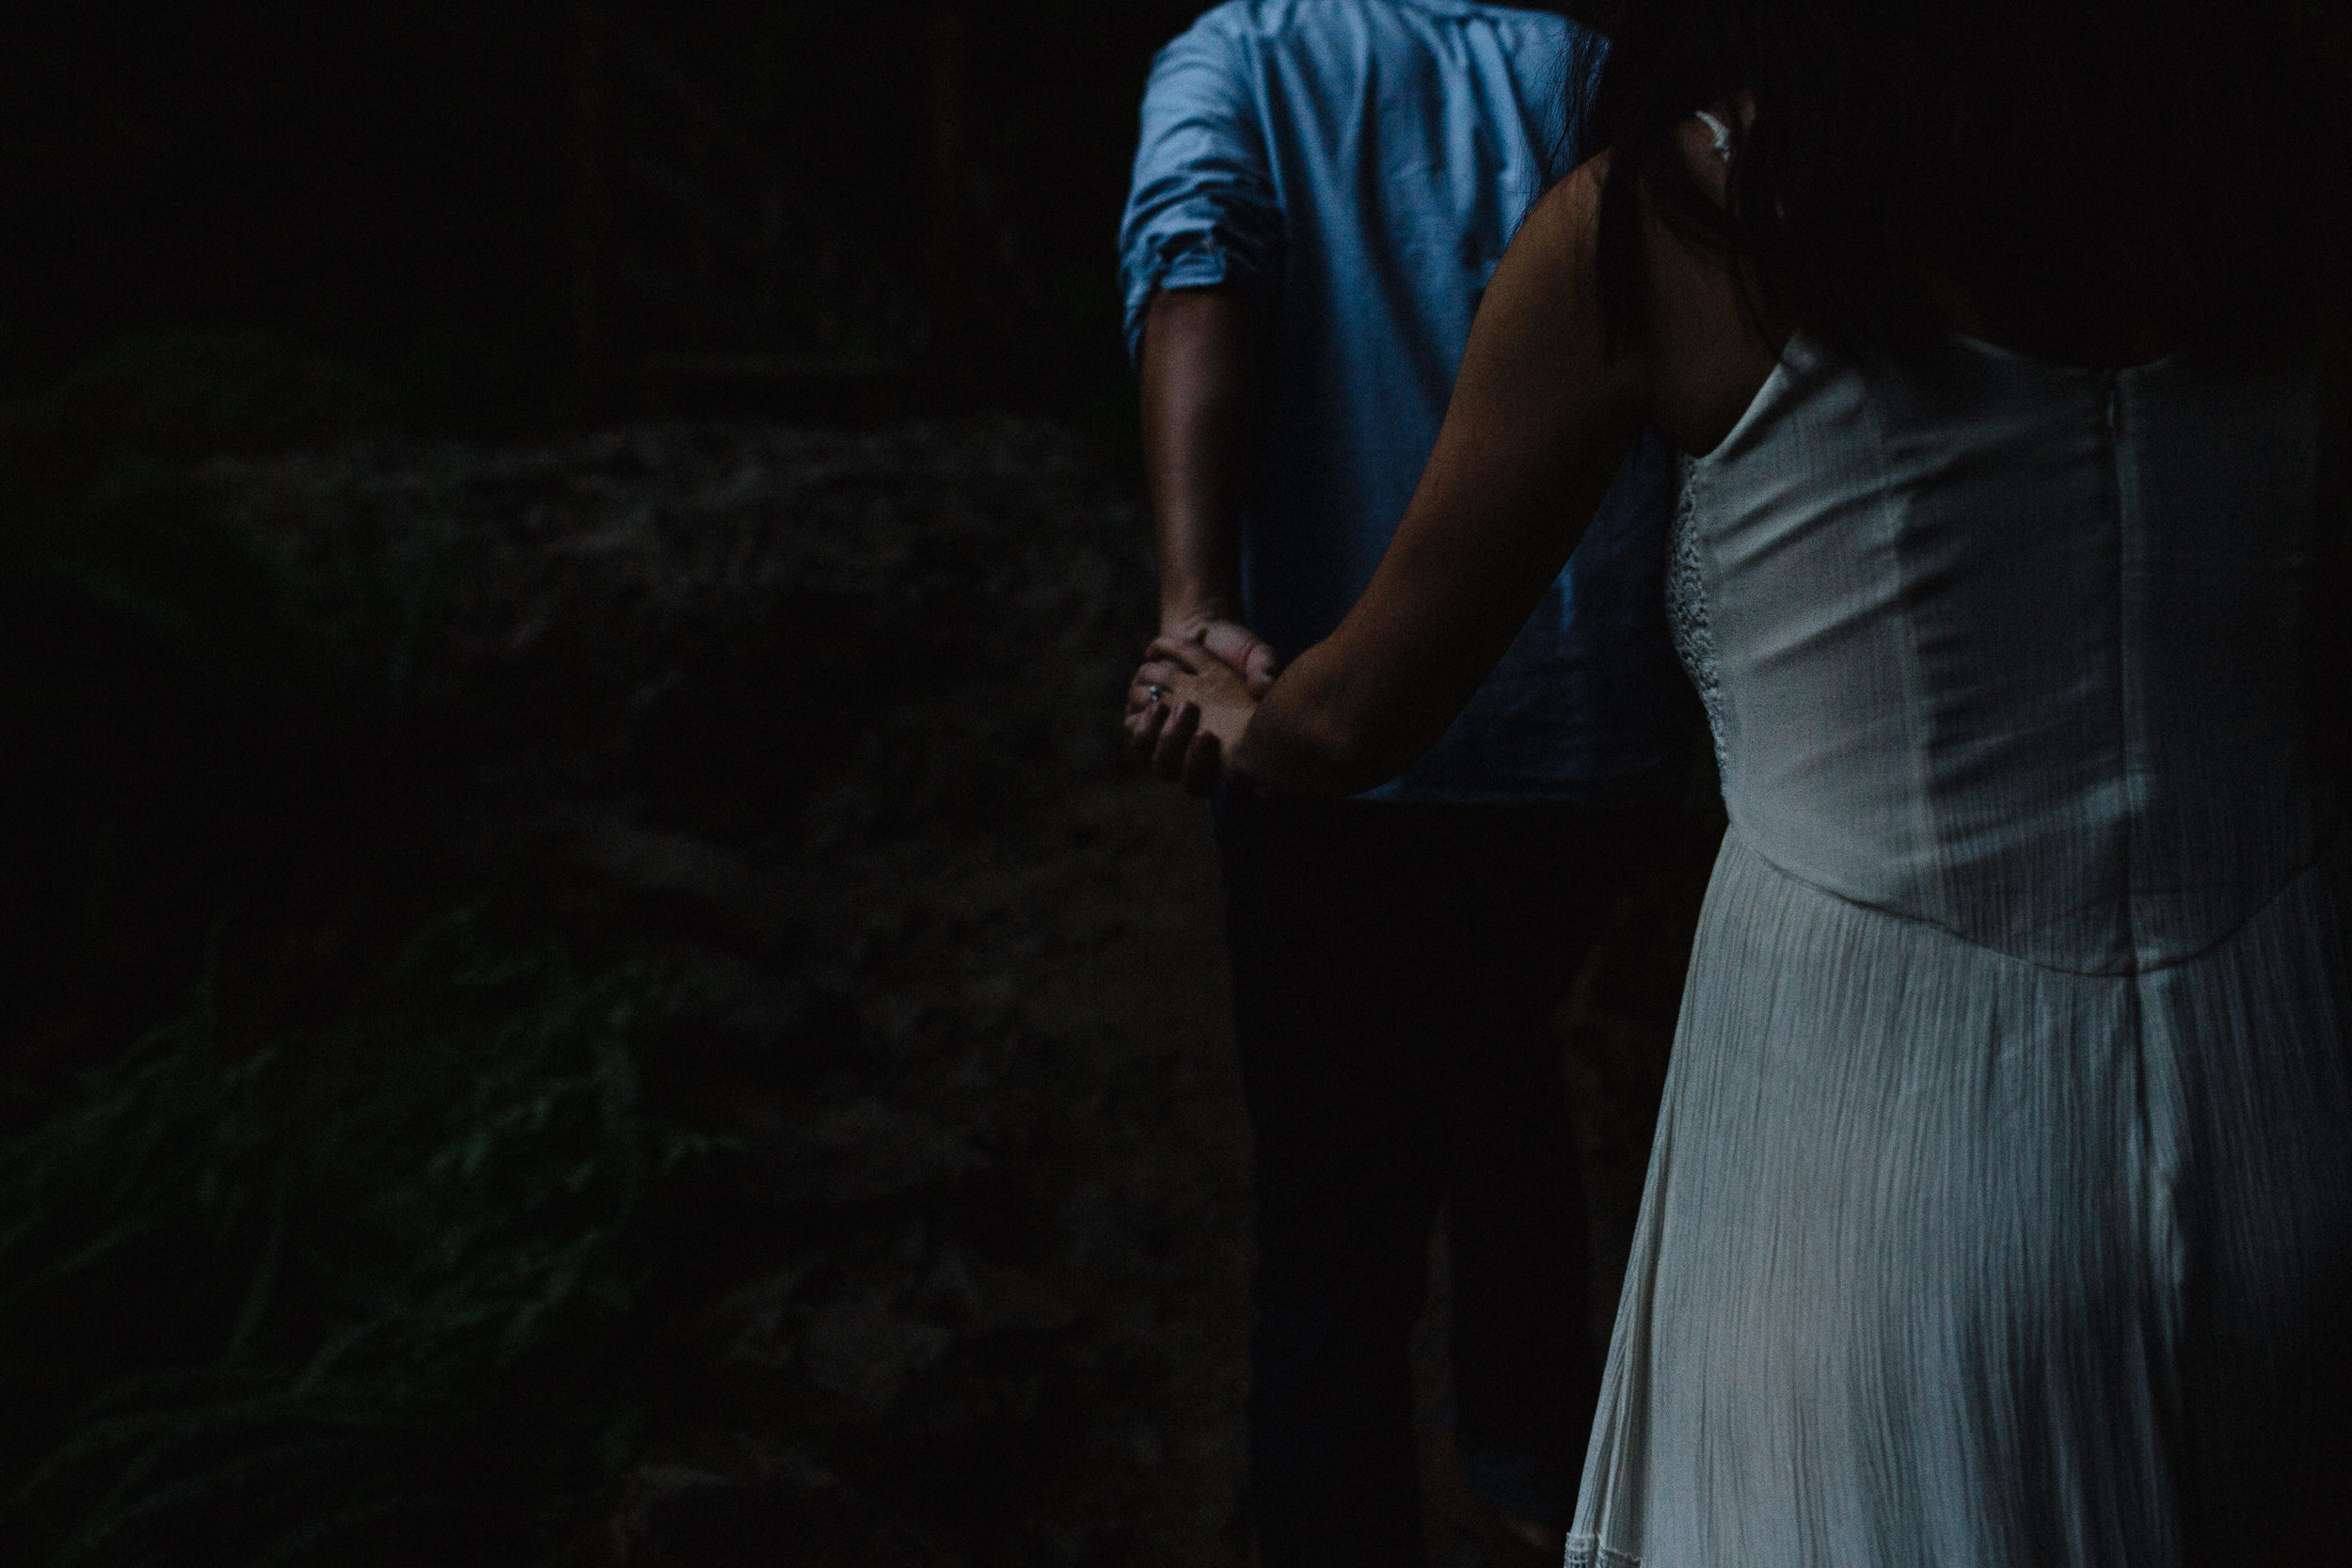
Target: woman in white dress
<point x="2001" y="1206"/>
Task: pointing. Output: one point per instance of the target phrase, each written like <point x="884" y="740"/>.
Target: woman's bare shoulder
<point x="1699" y="359"/>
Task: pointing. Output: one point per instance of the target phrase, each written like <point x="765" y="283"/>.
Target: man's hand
<point x="1239" y="647"/>
<point x="1187" y="713"/>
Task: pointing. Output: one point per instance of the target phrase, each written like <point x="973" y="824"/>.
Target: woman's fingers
<point x="1175" y="737"/>
<point x="1204" y="764"/>
<point x="1143" y="729"/>
<point x="1166" y="737"/>
<point x="1166" y="721"/>
<point x="1155" y="682"/>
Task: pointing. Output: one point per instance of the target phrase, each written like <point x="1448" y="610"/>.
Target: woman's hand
<point x="1187" y="710"/>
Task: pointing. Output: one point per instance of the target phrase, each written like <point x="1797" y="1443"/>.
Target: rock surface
<point x="821" y="727"/>
<point x="818" y="728"/>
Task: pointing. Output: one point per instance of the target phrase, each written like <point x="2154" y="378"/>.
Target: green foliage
<point x="296" y="1300"/>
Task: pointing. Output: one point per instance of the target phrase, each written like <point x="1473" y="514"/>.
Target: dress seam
<point x="2136" y="971"/>
<point x="2127" y="502"/>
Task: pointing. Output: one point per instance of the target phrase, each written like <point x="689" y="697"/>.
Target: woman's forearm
<point x="1306" y="739"/>
<point x="1541" y="420"/>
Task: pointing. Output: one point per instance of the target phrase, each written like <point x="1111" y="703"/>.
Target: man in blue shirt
<point x="1322" y="191"/>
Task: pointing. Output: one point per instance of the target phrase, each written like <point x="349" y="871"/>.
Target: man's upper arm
<point x="1203" y="209"/>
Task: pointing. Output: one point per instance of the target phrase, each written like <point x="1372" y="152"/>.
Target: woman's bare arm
<point x="1541" y="420"/>
<point x="1539" y="424"/>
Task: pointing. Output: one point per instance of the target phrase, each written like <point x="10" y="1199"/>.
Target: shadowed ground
<point x="793" y="757"/>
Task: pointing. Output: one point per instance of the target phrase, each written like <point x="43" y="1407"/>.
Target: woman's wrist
<point x="1236" y="759"/>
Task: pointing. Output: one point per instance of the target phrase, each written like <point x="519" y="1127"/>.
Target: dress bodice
<point x="2011" y="648"/>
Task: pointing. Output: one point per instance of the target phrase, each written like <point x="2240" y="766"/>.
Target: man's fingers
<point x="1239" y="647"/>
<point x="1229" y="641"/>
<point x="1182" y="653"/>
<point x="1260" y="669"/>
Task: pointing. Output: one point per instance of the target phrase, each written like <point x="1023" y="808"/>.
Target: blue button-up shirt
<point x="1361" y="164"/>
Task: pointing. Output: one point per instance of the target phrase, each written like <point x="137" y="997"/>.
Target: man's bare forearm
<point x="1199" y="351"/>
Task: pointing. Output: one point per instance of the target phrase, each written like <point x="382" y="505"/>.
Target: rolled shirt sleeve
<point x="1204" y="209"/>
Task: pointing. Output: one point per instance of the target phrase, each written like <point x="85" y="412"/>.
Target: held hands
<point x="1192" y="699"/>
<point x="1228" y="640"/>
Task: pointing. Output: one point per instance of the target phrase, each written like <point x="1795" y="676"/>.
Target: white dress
<point x="2000" y="1214"/>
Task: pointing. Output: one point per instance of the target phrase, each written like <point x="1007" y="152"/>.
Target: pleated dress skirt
<point x="2000" y="1214"/>
<point x="1949" y="1258"/>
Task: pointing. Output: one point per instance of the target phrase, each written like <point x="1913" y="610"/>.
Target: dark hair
<point x="2084" y="169"/>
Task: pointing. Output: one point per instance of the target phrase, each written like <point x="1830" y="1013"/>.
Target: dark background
<point x="568" y="890"/>
<point x="582" y="977"/>
<point x="586" y="980"/>
<point x="254" y="228"/>
<point x="397" y="184"/>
